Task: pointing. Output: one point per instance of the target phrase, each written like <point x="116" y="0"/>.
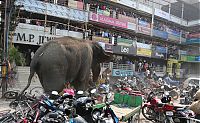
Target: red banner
<point x="108" y="20"/>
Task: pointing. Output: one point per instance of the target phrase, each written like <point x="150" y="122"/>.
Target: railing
<point x="192" y="120"/>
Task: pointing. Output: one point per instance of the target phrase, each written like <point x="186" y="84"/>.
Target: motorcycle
<point x="155" y="110"/>
<point x="104" y="114"/>
<point x="84" y="105"/>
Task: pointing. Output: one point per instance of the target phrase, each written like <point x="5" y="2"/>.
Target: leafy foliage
<point x="15" y="55"/>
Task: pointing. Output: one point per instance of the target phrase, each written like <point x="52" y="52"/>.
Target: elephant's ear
<point x="99" y="54"/>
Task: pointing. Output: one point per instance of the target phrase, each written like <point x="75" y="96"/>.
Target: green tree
<point x="16" y="56"/>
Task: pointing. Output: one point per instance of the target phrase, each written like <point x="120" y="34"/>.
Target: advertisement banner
<point x="131" y="26"/>
<point x="144" y="27"/>
<point x="124" y="42"/>
<point x="162" y="14"/>
<point x="197" y="58"/>
<point x="173" y="35"/>
<point x="161" y="34"/>
<point x="145" y="8"/>
<point x="128" y="3"/>
<point x="159" y="52"/>
<point x="193" y="40"/>
<point x="124" y="50"/>
<point x="122" y="73"/>
<point x="194" y="35"/>
<point x="144" y="49"/>
<point x="129" y="19"/>
<point x="183" y="57"/>
<point x="182" y="52"/>
<point x="190" y="58"/>
<point x="108" y="20"/>
<point x="100" y="39"/>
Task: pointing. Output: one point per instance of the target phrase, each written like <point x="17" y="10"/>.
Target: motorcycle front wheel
<point x="148" y="113"/>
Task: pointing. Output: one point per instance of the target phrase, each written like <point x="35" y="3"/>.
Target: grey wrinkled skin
<point x="67" y="59"/>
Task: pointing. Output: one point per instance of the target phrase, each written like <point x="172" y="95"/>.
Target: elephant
<point x="67" y="59"/>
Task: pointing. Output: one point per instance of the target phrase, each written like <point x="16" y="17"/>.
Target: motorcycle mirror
<point x="54" y="93"/>
<point x="80" y="92"/>
<point x="93" y="91"/>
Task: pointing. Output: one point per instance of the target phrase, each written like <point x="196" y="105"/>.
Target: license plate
<point x="169" y="113"/>
<point x="42" y="108"/>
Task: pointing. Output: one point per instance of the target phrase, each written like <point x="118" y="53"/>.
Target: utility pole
<point x="5" y="46"/>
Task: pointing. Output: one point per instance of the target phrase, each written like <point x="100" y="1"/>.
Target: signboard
<point x="161" y="34"/>
<point x="194" y="35"/>
<point x="100" y="39"/>
<point x="124" y="50"/>
<point x="145" y="8"/>
<point x="173" y="35"/>
<point x="108" y="20"/>
<point x="40" y="7"/>
<point x="162" y="14"/>
<point x="197" y="58"/>
<point x="193" y="40"/>
<point x="129" y="19"/>
<point x="190" y="58"/>
<point x="144" y="49"/>
<point x="128" y="3"/>
<point x="123" y="73"/>
<point x="183" y="57"/>
<point x="35" y="35"/>
<point x="124" y="42"/>
<point x="144" y="27"/>
<point x="182" y="52"/>
<point x="159" y="52"/>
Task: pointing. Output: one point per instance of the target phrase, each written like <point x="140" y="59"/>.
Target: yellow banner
<point x="101" y="39"/>
<point x="143" y="52"/>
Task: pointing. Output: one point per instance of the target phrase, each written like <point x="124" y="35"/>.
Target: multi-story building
<point x="133" y="30"/>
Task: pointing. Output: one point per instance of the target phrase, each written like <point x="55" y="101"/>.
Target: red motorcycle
<point x="157" y="111"/>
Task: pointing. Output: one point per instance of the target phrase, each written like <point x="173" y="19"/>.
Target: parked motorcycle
<point x="155" y="110"/>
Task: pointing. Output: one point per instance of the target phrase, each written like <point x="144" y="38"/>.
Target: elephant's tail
<point x="29" y="82"/>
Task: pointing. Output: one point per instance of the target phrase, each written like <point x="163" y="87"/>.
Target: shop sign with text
<point x="161" y="34"/>
<point x="144" y="49"/>
<point x="108" y="20"/>
<point x="124" y="50"/>
<point x="144" y="27"/>
<point x="123" y="73"/>
<point x="35" y="35"/>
